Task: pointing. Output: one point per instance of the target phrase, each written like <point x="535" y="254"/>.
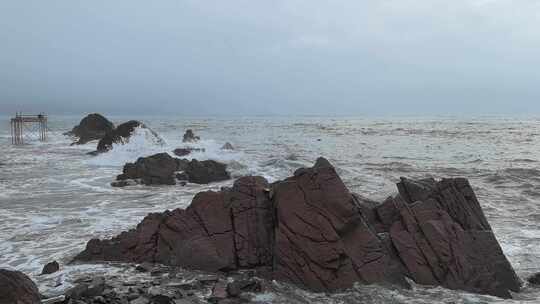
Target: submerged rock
<point x="311" y="231"/>
<point x="17" y="288"/>
<point x="186" y="151"/>
<point x="161" y="169"/>
<point x="189" y="136"/>
<point x="92" y="127"/>
<point x="50" y="268"/>
<point x="121" y="135"/>
<point x="227" y="146"/>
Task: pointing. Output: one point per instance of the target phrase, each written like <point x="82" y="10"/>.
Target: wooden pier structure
<point x="28" y="127"/>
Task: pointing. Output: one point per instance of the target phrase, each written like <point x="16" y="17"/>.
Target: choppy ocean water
<point x="54" y="197"/>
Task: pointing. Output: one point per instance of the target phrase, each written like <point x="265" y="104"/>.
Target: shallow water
<point x="54" y="197"/>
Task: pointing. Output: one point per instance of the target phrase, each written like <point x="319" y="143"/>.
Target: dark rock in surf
<point x="227" y="146"/>
<point x="189" y="136"/>
<point x="162" y="169"/>
<point x="51" y="267"/>
<point x="534" y="279"/>
<point x="121" y="135"/>
<point x="158" y="169"/>
<point x="311" y="231"/>
<point x="186" y="151"/>
<point x="92" y="127"/>
<point x="16" y="287"/>
<point x="206" y="171"/>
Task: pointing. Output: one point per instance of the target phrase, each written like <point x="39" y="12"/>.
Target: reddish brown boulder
<point x="322" y="240"/>
<point x="311" y="231"/>
<point x="17" y="288"/>
<point x="443" y="238"/>
<point x="223" y="230"/>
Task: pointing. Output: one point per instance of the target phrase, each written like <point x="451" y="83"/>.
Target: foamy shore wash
<point x="54" y="197"/>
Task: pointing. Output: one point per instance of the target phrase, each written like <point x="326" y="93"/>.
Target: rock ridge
<point x="310" y="230"/>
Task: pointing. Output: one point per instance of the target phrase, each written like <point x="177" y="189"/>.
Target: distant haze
<point x="270" y="57"/>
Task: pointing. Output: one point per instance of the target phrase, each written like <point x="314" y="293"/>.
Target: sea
<point x="54" y="197"/>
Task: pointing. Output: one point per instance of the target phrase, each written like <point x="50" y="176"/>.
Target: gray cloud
<point x="274" y="57"/>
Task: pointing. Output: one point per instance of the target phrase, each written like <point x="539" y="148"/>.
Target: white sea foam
<point x="144" y="142"/>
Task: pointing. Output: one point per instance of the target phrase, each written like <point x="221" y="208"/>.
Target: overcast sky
<point x="247" y="57"/>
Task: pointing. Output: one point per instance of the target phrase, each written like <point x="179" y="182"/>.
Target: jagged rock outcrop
<point x="311" y="231"/>
<point x="162" y="169"/>
<point x="189" y="136"/>
<point x="443" y="238"/>
<point x="17" y="288"/>
<point x="92" y="127"/>
<point x="121" y="135"/>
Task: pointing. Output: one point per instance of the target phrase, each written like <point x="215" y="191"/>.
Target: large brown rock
<point x="443" y="238"/>
<point x="223" y="230"/>
<point x="17" y="288"/>
<point x="92" y="127"/>
<point x="311" y="231"/>
<point x="322" y="240"/>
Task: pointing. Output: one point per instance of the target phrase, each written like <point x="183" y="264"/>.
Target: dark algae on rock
<point x="310" y="230"/>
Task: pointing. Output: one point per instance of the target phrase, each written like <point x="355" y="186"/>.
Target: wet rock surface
<point x="163" y="169"/>
<point x="309" y="230"/>
<point x="227" y="146"/>
<point x="92" y="127"/>
<point x="534" y="279"/>
<point x="17" y="288"/>
<point x="186" y="151"/>
<point x="158" y="169"/>
<point x="51" y="267"/>
<point x="204" y="172"/>
<point x="163" y="285"/>
<point x="189" y="136"/>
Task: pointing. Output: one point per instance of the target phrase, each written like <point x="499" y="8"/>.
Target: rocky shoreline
<point x="307" y="230"/>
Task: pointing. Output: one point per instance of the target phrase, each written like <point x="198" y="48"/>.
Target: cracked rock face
<point x="311" y="231"/>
